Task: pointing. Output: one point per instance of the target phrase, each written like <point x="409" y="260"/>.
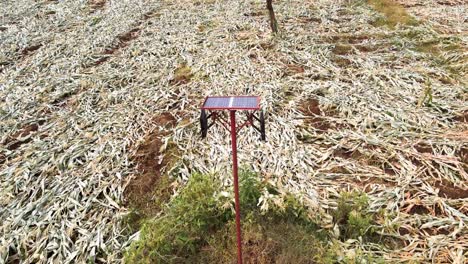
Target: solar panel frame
<point x="231" y="103"/>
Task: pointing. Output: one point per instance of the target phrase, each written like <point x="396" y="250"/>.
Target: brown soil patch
<point x="267" y="45"/>
<point x="352" y="39"/>
<point x="121" y="41"/>
<point x="245" y="35"/>
<point x="343" y="49"/>
<point x="451" y="2"/>
<point x="341" y="62"/>
<point x="418" y="209"/>
<point x="14" y="141"/>
<point x="306" y="20"/>
<point x="366" y="48"/>
<point x="348" y="45"/>
<point x="416" y="161"/>
<point x="311" y="108"/>
<point x="63" y="99"/>
<point x="463" y="155"/>
<point x="130" y="35"/>
<point x="388" y="169"/>
<point x="316" y="116"/>
<point x="337" y="170"/>
<point x="2" y="158"/>
<point x="388" y="165"/>
<point x="347" y="154"/>
<point x="3" y="28"/>
<point x="29" y="50"/>
<point x="253" y="56"/>
<point x="423" y="148"/>
<point x="97" y="4"/>
<point x="255" y="13"/>
<point x="448" y="190"/>
<point x="50" y="12"/>
<point x="293" y="69"/>
<point x="100" y="61"/>
<point x="403" y="231"/>
<point x="462" y="118"/>
<point x="142" y="189"/>
<point x="436" y="231"/>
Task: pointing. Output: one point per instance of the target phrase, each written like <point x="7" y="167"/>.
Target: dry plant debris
<point x="70" y="127"/>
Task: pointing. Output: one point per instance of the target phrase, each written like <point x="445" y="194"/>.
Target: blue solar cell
<point x="245" y="102"/>
<point x="218" y="102"/>
<point x="231" y="102"/>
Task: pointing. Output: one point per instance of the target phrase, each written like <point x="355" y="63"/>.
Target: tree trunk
<point x="273" y="23"/>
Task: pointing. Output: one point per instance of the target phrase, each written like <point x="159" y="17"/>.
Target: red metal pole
<point x="236" y="184"/>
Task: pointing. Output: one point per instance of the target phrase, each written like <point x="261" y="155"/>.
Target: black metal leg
<point x="203" y="123"/>
<point x="262" y="126"/>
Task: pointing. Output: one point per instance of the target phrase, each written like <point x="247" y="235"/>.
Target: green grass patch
<point x="182" y="75"/>
<point x="267" y="239"/>
<point x="428" y="47"/>
<point x="198" y="227"/>
<point x="439" y="51"/>
<point x="177" y="234"/>
<point x="393" y="14"/>
<point x="352" y="216"/>
<point x="437" y="46"/>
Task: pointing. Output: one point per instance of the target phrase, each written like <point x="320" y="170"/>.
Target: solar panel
<point x="232" y="103"/>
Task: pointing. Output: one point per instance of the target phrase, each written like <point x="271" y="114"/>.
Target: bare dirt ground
<point x="352" y="104"/>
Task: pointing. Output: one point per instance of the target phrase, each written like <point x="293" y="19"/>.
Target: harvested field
<point x="355" y="100"/>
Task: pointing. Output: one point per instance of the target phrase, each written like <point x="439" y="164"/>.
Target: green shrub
<point x="178" y="233"/>
<point x="249" y="190"/>
<point x="352" y="217"/>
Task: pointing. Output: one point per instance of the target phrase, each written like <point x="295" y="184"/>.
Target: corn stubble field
<point x="367" y="96"/>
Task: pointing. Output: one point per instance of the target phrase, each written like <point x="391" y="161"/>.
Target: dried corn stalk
<point x="80" y="85"/>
